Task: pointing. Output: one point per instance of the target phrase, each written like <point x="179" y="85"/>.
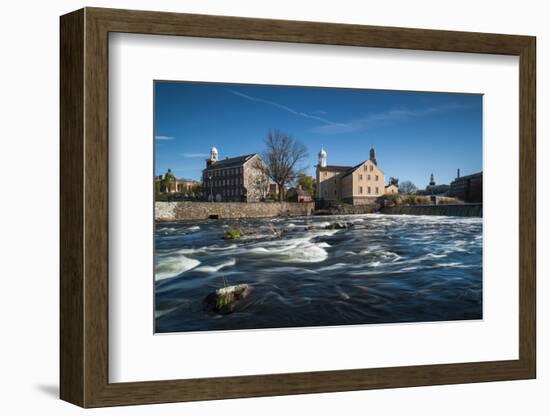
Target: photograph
<point x="307" y="206"/>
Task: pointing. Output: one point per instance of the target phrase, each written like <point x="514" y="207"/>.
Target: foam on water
<point x="216" y="268"/>
<point x="383" y="269"/>
<point x="174" y="266"/>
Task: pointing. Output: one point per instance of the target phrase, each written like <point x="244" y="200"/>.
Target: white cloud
<point x="376" y="119"/>
<point x="285" y="108"/>
<point x="164" y="138"/>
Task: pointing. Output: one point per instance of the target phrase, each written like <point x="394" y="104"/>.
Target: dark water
<point x="383" y="269"/>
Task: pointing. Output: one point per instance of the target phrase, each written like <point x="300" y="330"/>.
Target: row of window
<point x="225" y="172"/>
<point x="376" y="177"/>
<point x="232" y="192"/>
<point x="229" y="192"/>
<point x="226" y="182"/>
<point x="181" y="187"/>
<point x="376" y="190"/>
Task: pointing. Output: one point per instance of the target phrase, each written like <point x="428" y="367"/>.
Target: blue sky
<point x="414" y="133"/>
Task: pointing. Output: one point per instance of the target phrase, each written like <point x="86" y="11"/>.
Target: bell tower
<point x="213" y="156"/>
<point x="322" y="158"/>
<point x="372" y="155"/>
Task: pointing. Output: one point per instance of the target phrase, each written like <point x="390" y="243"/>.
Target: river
<point x="382" y="269"/>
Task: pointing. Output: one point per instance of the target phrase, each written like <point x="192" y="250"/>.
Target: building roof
<point x="391" y="184"/>
<point x="186" y="180"/>
<point x="473" y="175"/>
<point x="230" y="162"/>
<point x="353" y="168"/>
<point x="335" y="168"/>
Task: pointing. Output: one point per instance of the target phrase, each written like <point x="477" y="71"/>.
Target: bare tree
<point x="282" y="157"/>
<point x="407" y="187"/>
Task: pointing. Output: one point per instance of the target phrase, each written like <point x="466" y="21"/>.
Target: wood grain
<point x="71" y="100"/>
<point x="84" y="207"/>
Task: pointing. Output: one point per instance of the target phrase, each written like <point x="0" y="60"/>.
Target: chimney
<point x="458" y="173"/>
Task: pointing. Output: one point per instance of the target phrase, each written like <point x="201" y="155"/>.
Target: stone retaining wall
<point x="458" y="210"/>
<point x="188" y="210"/>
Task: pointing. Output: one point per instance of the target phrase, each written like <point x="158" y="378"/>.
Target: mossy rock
<point x="227" y="299"/>
<point x="232" y="234"/>
<point x="338" y="226"/>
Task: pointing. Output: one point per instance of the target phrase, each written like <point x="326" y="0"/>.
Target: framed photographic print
<point x="256" y="207"/>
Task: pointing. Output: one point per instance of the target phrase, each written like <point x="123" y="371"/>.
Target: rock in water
<point x="339" y="226"/>
<point x="227" y="299"/>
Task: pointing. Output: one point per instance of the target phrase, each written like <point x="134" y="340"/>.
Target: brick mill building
<point x="357" y="185"/>
<point x="237" y="179"/>
<point x="468" y="188"/>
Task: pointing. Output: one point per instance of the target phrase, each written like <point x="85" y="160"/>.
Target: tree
<point x="196" y="190"/>
<point x="394" y="181"/>
<point x="261" y="184"/>
<point x="307" y="183"/>
<point x="281" y="158"/>
<point x="291" y="194"/>
<point x="407" y="187"/>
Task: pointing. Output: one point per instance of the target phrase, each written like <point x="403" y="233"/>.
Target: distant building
<point x="468" y="188"/>
<point x="169" y="184"/>
<point x="391" y="189"/>
<point x="357" y="185"/>
<point x="434" y="189"/>
<point x="301" y="195"/>
<point x="238" y="179"/>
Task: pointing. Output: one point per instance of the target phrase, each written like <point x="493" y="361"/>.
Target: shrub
<point x="232" y="234"/>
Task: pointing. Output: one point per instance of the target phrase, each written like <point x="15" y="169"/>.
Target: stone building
<point x="169" y="184"/>
<point x="434" y="189"/>
<point x="357" y="185"/>
<point x="468" y="188"/>
<point x="237" y="179"/>
<point x="391" y="189"/>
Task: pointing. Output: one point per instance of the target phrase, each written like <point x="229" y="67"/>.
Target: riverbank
<point x="190" y="210"/>
<point x="454" y="210"/>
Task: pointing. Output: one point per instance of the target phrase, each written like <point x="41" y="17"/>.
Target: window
<point x="334" y="181"/>
<point x="325" y="173"/>
<point x="376" y="190"/>
<point x="370" y="168"/>
<point x="368" y="190"/>
<point x="335" y="192"/>
<point x="365" y="168"/>
<point x="360" y="177"/>
<point x="360" y="189"/>
<point x="377" y="179"/>
<point x="368" y="177"/>
<point x="326" y="193"/>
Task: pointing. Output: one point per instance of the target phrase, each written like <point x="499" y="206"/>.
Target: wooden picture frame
<point x="84" y="207"/>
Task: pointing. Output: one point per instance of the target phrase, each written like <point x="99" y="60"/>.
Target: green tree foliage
<point x="394" y="181"/>
<point x="307" y="183"/>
